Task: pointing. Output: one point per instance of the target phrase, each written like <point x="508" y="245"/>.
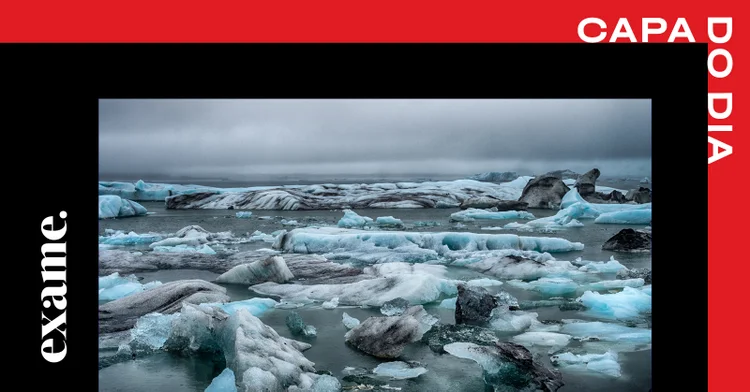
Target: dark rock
<point x="122" y="314"/>
<point x="442" y="334"/>
<point x="297" y="326"/>
<point x="635" y="273"/>
<point x="544" y="192"/>
<point x="485" y="202"/>
<point x="509" y="367"/>
<point x="586" y="183"/>
<point x="629" y="240"/>
<point x="544" y="378"/>
<point x="614" y="196"/>
<point x="641" y="195"/>
<point x="386" y="337"/>
<point x="474" y="304"/>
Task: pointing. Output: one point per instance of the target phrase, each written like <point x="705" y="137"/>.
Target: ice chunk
<point x="512" y="321"/>
<point x="517" y="265"/>
<point x="120" y="238"/>
<point x="388" y="221"/>
<point x="629" y="217"/>
<point x="609" y="267"/>
<point x="546" y="339"/>
<point x="272" y="269"/>
<point x="472" y="214"/>
<point x="243" y="214"/>
<point x="385" y="337"/>
<point x="646" y="289"/>
<point x="256" y="306"/>
<point x="224" y="382"/>
<point x="327" y="240"/>
<point x="290" y="222"/>
<point x="394" y="307"/>
<point x="449" y="303"/>
<point x="484" y="282"/>
<point x="112" y="287"/>
<point x="326" y="383"/>
<point x="440" y="194"/>
<point x="508" y="366"/>
<point x="298" y="327"/>
<point x="416" y="288"/>
<point x="151" y="331"/>
<point x="615" y="284"/>
<point x="628" y="303"/>
<point x="349" y="321"/>
<point x="332" y="304"/>
<point x="205" y="249"/>
<point x="426" y="224"/>
<point x="399" y="370"/>
<point x="599" y="363"/>
<point x="352" y="220"/>
<point x="111" y="206"/>
<point x="548" y="286"/>
<point x="614" y="336"/>
<point x="570" y="198"/>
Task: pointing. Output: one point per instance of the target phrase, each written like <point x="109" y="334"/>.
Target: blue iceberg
<point x="117" y="207"/>
<point x="472" y="214"/>
<point x="628" y="303"/>
<point x="114" y="286"/>
<point x="224" y="382"/>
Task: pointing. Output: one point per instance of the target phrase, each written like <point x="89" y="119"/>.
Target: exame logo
<point x="54" y="303"/>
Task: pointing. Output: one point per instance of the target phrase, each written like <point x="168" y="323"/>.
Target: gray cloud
<point x="244" y="137"/>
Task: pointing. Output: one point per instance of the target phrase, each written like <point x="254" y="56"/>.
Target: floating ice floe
<point x="120" y="238"/>
<point x="548" y="286"/>
<point x="327" y="240"/>
<point x="628" y="303"/>
<point x="353" y="220"/>
<point x="205" y="249"/>
<point x="332" y="304"/>
<point x="143" y="191"/>
<point x="440" y="194"/>
<point x="399" y="370"/>
<point x="632" y="217"/>
<point x="508" y="367"/>
<point x="256" y="306"/>
<point x="610" y="266"/>
<point x="608" y="336"/>
<point x="243" y="214"/>
<point x="114" y="286"/>
<point x="415" y="288"/>
<point x="272" y="269"/>
<point x="224" y="382"/>
<point x="388" y="221"/>
<point x="512" y="321"/>
<point x="544" y="339"/>
<point x="472" y="214"/>
<point x="116" y="207"/>
<point x="597" y="363"/>
<point x="575" y="207"/>
<point x="349" y="321"/>
<point x="298" y="327"/>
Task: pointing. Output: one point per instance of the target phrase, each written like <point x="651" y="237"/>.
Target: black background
<point x="50" y="114"/>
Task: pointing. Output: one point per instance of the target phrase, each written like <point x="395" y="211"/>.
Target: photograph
<point x="321" y="245"/>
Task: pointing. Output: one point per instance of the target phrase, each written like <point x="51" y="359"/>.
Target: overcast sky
<point x="232" y="138"/>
